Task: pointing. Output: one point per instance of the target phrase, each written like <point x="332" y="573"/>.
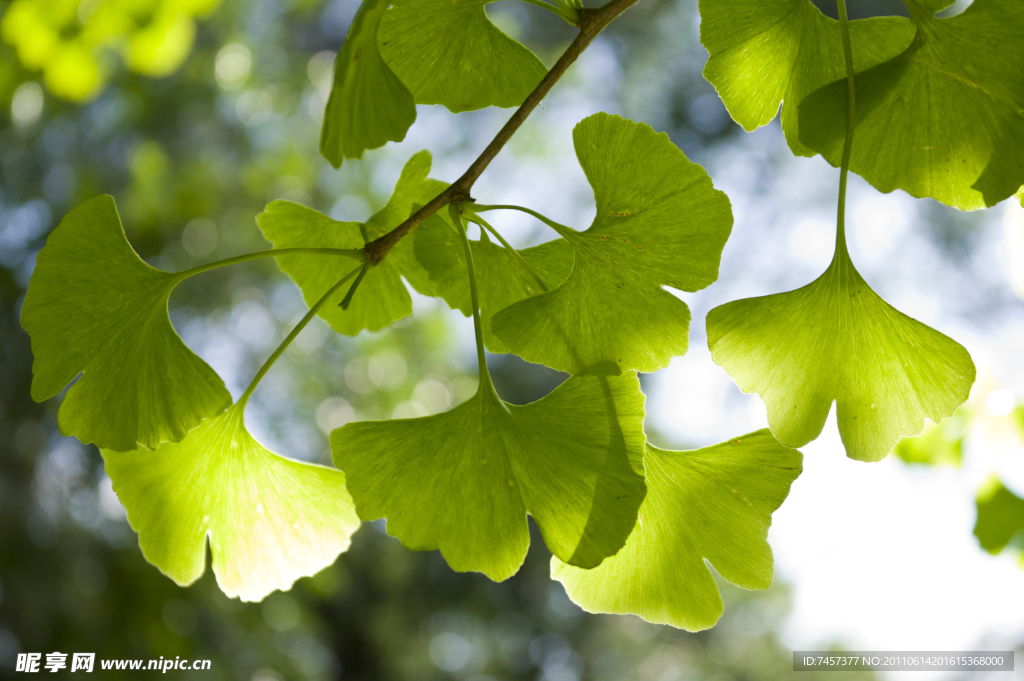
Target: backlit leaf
<point x="463" y="481"/>
<point x="711" y="504"/>
<point x="836" y="340"/>
<point x="764" y="53"/>
<point x="450" y="53"/>
<point x="94" y="308"/>
<point x="269" y="520"/>
<point x="659" y="223"/>
<point x="942" y="119"/>
<point x="383" y="297"/>
<point x="369" y="106"/>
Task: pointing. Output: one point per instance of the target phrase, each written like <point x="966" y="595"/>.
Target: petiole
<point x="562" y="230"/>
<point x="473" y="217"/>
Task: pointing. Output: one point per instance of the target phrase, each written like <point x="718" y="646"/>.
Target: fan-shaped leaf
<point x="659" y="223"/>
<point x="835" y="339"/>
<point x="383" y="297"/>
<point x="943" y="119"/>
<point x="450" y="53"/>
<point x="269" y="520"/>
<point x="463" y="481"/>
<point x="369" y="106"/>
<point x="94" y="308"/>
<point x="767" y="52"/>
<point x="711" y="504"/>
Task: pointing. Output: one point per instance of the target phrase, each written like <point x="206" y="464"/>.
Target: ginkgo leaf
<point x="837" y="340"/>
<point x="659" y="223"/>
<point x="1000" y="521"/>
<point x="94" y="308"/>
<point x="942" y="119"/>
<point x="711" y="504"/>
<point x="450" y="53"/>
<point x="383" y="297"/>
<point x="464" y="480"/>
<point x="764" y="53"/>
<point x="501" y="280"/>
<point x="369" y="106"/>
<point x="270" y="520"/>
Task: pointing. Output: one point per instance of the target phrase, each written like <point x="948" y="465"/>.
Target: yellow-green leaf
<point x="941" y="120"/>
<point x="660" y="223"/>
<point x="95" y="309"/>
<point x="369" y="106"/>
<point x="269" y="520"/>
<point x="450" y="53"/>
<point x="463" y="481"/>
<point x="837" y="340"/>
<point x="713" y="504"/>
<point x="767" y="53"/>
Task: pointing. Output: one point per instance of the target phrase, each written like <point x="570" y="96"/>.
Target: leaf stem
<point x="347" y="300"/>
<point x="557" y="9"/>
<point x="562" y="230"/>
<point x="298" y="329"/>
<point x="591" y="23"/>
<point x="354" y="253"/>
<point x="508" y="247"/>
<point x="844" y="171"/>
<point x="474" y="296"/>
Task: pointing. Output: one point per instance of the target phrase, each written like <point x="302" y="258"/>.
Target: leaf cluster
<point x="629" y="525"/>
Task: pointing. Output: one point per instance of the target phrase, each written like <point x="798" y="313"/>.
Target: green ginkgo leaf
<point x="764" y="53"/>
<point x="450" y="53"/>
<point x="1000" y="521"/>
<point x="502" y="281"/>
<point x="837" y="340"/>
<point x="369" y="106"/>
<point x="269" y="520"/>
<point x="659" y="223"/>
<point x="463" y="481"/>
<point x="712" y="504"/>
<point x="94" y="308"/>
<point x="942" y="119"/>
<point x="383" y="297"/>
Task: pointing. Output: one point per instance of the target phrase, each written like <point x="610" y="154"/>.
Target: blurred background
<point x="194" y="114"/>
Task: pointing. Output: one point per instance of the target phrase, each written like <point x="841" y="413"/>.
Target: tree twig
<point x="591" y="23"/>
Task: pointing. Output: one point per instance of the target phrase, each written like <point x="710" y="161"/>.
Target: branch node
<point x="592" y="22"/>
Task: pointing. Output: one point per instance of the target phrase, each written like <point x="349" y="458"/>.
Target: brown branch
<point x="591" y="23"/>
